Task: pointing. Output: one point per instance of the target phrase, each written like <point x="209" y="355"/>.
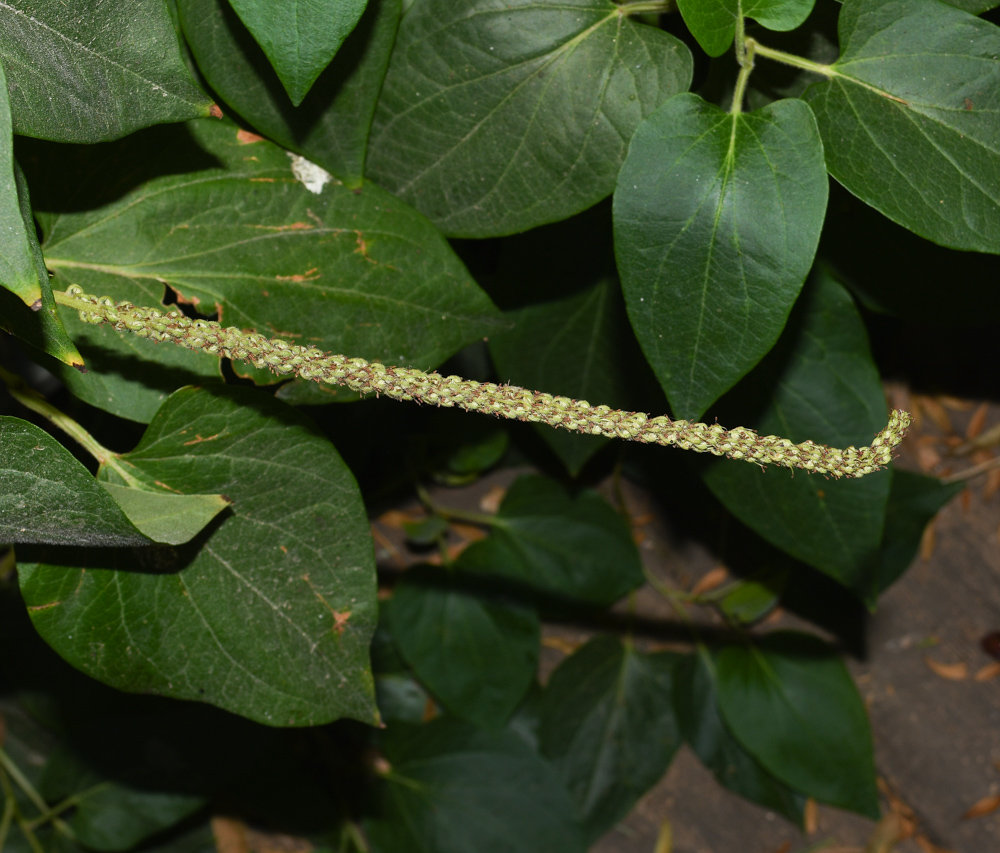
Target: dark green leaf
<point x="164" y="517"/>
<point x="717" y="218"/>
<point x="572" y="347"/>
<point x="46" y="331"/>
<point x="484" y="125"/>
<point x="254" y="243"/>
<point x="575" y="547"/>
<point x="108" y="815"/>
<point x="457" y="789"/>
<point x="400" y="698"/>
<point x="910" y="118"/>
<point x="754" y="598"/>
<point x="84" y="72"/>
<point x="299" y="37"/>
<point x="913" y="501"/>
<point x="793" y="706"/>
<point x="696" y="705"/>
<point x="332" y="123"/>
<point x="18" y="272"/>
<point x="713" y="22"/>
<point x="818" y="384"/>
<point x="271" y="615"/>
<point x="47" y="496"/>
<point x="607" y="724"/>
<point x="476" y="655"/>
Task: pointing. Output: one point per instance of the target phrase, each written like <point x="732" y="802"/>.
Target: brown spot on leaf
<point x="245" y="137"/>
<point x="199" y="439"/>
<point x="215" y="111"/>
<point x="262" y="180"/>
<point x="967" y="104"/>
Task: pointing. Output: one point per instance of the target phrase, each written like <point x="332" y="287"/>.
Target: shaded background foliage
<point x="559" y="195"/>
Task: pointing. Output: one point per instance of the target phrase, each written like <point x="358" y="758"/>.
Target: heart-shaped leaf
<point x="911" y="118"/>
<point x="86" y="72"/>
<point x="483" y="124"/>
<point x="792" y="704"/>
<point x="270" y="614"/>
<point x="713" y="22"/>
<point x="717" y="219"/>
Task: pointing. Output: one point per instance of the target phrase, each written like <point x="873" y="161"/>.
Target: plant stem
<point x="642" y="6"/>
<point x="31" y="399"/>
<point x="790" y="59"/>
<point x="506" y="401"/>
<point x="454" y="514"/>
<point x="974" y="471"/>
<point x="746" y="68"/>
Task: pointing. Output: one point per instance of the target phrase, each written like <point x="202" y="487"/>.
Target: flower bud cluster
<point x="507" y="401"/>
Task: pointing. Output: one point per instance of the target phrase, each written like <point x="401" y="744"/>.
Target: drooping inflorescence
<point x="507" y="401"/>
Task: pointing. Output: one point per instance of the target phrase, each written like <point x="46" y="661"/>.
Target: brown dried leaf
<point x="784" y="847"/>
<point x="992" y="485"/>
<point x="956" y="404"/>
<point x="469" y="532"/>
<point x="810" y="817"/>
<point x="710" y="580"/>
<point x="928" y="540"/>
<point x="988" y="672"/>
<point x="936" y="412"/>
<point x="230" y="835"/>
<point x="951" y="671"/>
<point x="560" y="645"/>
<point x="490" y="502"/>
<point x="966" y="499"/>
<point x="927" y="457"/>
<point x="396" y="518"/>
<point x="976" y="422"/>
<point x="985" y="806"/>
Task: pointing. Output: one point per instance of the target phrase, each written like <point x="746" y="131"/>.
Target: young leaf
<point x="109" y="815"/>
<point x="299" y="37"/>
<point x="476" y="655"/>
<point x="819" y="383"/>
<point x="574" y="547"/>
<point x="574" y="347"/>
<point x="331" y="125"/>
<point x="47" y="496"/>
<point x="717" y="218"/>
<point x="88" y="72"/>
<point x="483" y="124"/>
<point x="713" y="22"/>
<point x="607" y="724"/>
<point x="453" y="788"/>
<point x="270" y="617"/>
<point x="167" y="518"/>
<point x="910" y="117"/>
<point x="699" y="720"/>
<point x="793" y="706"/>
<point x="252" y="241"/>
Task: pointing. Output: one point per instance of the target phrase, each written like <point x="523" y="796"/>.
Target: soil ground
<point x="932" y="692"/>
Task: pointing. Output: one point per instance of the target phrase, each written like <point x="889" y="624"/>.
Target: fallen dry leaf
<point x="490" y="502"/>
<point x="988" y="672"/>
<point x="810" y="817"/>
<point x="927" y="540"/>
<point x="397" y="518"/>
<point x="966" y="499"/>
<point x="710" y="580"/>
<point x="665" y="838"/>
<point x="956" y="404"/>
<point x="889" y="831"/>
<point x="952" y="671"/>
<point x="560" y="645"/>
<point x="985" y="806"/>
<point x="936" y="412"/>
<point x="976" y="422"/>
<point x="784" y="847"/>
<point x="992" y="485"/>
<point x="927" y="457"/>
<point x="230" y="835"/>
<point x="469" y="532"/>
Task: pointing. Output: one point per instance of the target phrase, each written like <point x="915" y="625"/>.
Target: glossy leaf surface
<point x="911" y="118"/>
<point x="701" y="723"/>
<point x="251" y="241"/>
<point x="269" y="614"/>
<point x="86" y="72"/>
<point x="792" y="704"/>
<point x="713" y="22"/>
<point x="483" y="124"/>
<point x="164" y="517"/>
<point x="47" y="496"/>
<point x="454" y="788"/>
<point x="607" y="725"/>
<point x="717" y="219"/>
<point x="819" y="383"/>
<point x="475" y="653"/>
<point x="575" y="547"/>
<point x="299" y="37"/>
<point x="331" y="124"/>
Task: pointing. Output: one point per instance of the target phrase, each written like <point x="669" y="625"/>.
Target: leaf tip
<point x="215" y="111"/>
